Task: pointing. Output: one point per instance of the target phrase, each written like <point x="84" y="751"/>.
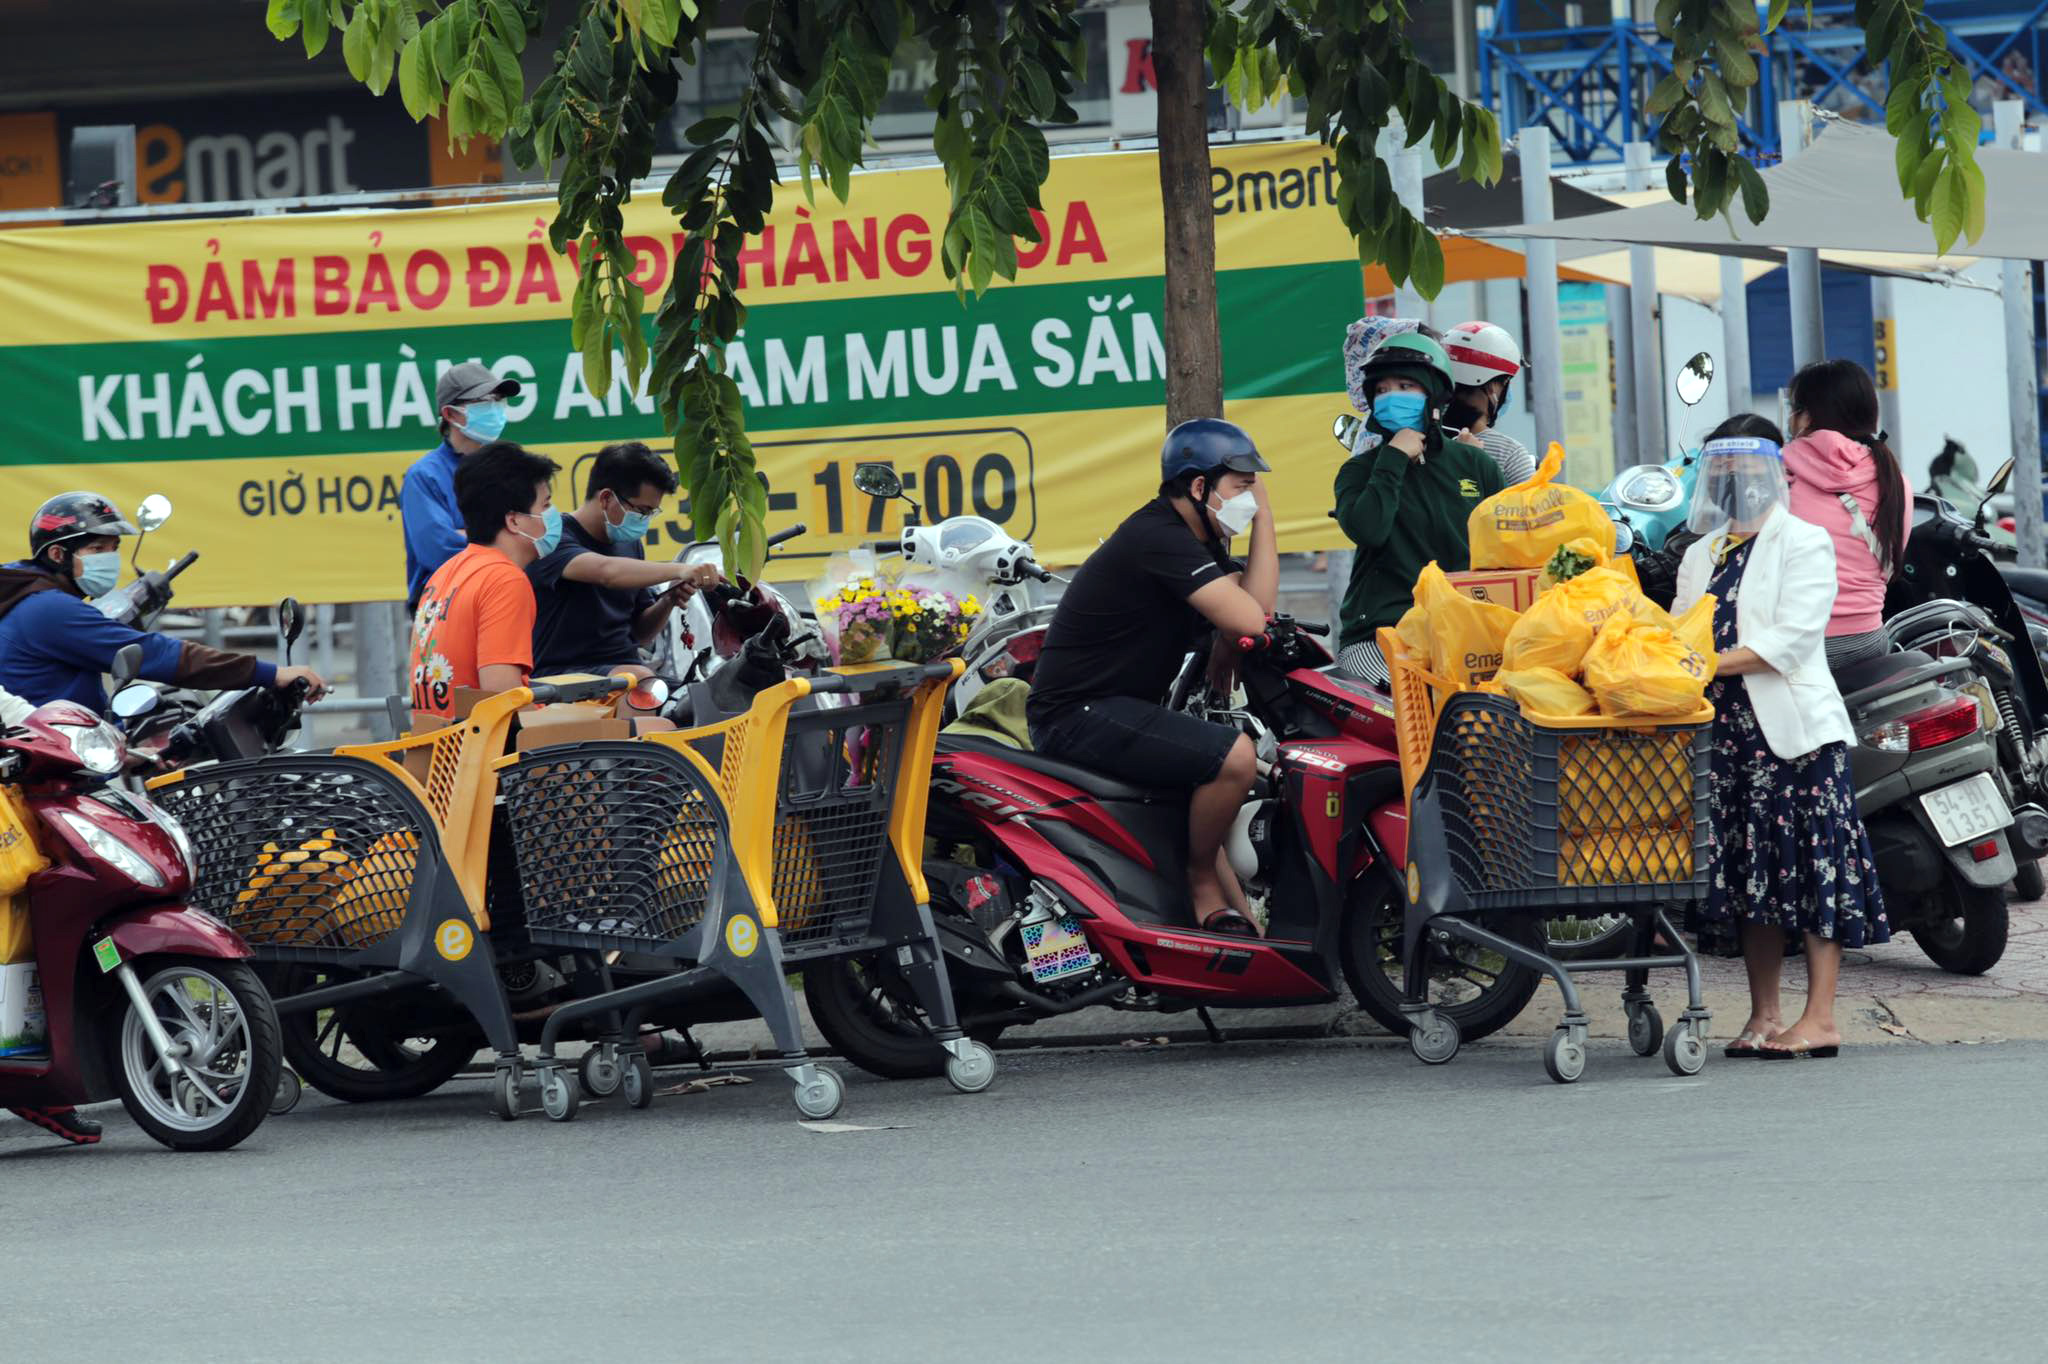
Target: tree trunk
<point x="1194" y="346"/>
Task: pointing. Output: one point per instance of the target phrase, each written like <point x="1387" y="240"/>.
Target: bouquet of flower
<point x="931" y="622"/>
<point x="859" y="620"/>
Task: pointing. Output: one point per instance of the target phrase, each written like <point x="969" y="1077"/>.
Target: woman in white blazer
<point x="1791" y="859"/>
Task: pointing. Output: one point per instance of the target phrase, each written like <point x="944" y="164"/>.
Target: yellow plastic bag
<point x="1559" y="627"/>
<point x="19" y="856"/>
<point x="1645" y="670"/>
<point x="1413" y="628"/>
<point x="17" y="938"/>
<point x="1465" y="636"/>
<point x="1522" y="526"/>
<point x="1545" y="692"/>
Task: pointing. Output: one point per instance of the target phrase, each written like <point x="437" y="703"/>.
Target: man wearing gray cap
<point x="472" y="404"/>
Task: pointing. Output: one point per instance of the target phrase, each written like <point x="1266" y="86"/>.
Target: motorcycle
<point x="138" y="604"/>
<point x="1008" y="638"/>
<point x="170" y="727"/>
<point x="142" y="998"/>
<point x="1055" y="888"/>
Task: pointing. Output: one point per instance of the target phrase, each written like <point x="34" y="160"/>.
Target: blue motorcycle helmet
<point x="1205" y="445"/>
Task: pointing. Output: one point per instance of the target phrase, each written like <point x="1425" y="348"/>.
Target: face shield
<point x="1741" y="481"/>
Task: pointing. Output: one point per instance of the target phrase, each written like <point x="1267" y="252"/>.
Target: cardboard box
<point x="550" y="725"/>
<point x="1514" y="588"/>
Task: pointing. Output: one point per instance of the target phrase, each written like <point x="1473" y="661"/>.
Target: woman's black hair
<point x="1749" y="426"/>
<point x="1840" y="396"/>
<point x="497" y="481"/>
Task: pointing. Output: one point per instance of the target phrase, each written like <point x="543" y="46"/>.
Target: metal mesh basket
<point x="1539" y="817"/>
<point x="309" y="856"/>
<point x="613" y="841"/>
<point x="839" y="769"/>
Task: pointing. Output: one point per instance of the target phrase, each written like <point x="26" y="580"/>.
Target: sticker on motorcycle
<point x="106" y="954"/>
<point x="453" y="939"/>
<point x="742" y="935"/>
<point x="1414" y="886"/>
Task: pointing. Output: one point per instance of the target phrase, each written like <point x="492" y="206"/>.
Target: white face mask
<point x="1237" y="512"/>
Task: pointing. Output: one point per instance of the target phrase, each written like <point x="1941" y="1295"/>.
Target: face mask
<point x="1463" y="415"/>
<point x="551" y="536"/>
<point x="1398" y="411"/>
<point x="97" y="573"/>
<point x="484" y="421"/>
<point x="1236" y="512"/>
<point x="1743" y="503"/>
<point x="629" y="531"/>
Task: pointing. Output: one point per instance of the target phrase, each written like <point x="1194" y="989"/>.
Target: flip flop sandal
<point x="1745" y="1044"/>
<point x="1809" y="1052"/>
<point x="1230" y="922"/>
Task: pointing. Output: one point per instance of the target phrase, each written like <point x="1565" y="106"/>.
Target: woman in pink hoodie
<point x="1846" y="480"/>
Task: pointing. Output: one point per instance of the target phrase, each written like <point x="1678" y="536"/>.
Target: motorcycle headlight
<point x="97" y="747"/>
<point x="1648" y="488"/>
<point x="111" y="847"/>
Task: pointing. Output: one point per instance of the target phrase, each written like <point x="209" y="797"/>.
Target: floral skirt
<point x="1789" y="849"/>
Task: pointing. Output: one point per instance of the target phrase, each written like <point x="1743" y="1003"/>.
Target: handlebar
<point x="1031" y="570"/>
<point x="783" y="536"/>
<point x="885" y="546"/>
<point x="1276" y="630"/>
<point x="185" y="561"/>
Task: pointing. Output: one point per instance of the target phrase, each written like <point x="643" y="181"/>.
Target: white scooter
<point x="1007" y="640"/>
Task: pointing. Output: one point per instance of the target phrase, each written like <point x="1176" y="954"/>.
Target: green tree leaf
<point x="1666" y="96"/>
<point x="1949" y="205"/>
<point x="282" y="18"/>
<point x="416" y="83"/>
<point x="1756" y="195"/>
<point x="313" y="25"/>
<point x="1425" y="261"/>
<point x="1674" y="178"/>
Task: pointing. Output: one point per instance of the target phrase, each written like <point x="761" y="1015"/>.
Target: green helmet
<point x="1411" y="355"/>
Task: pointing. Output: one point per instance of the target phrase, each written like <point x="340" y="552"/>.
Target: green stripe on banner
<point x="842" y="363"/>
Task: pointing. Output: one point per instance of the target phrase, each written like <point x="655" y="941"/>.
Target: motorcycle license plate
<point x="1966" y="811"/>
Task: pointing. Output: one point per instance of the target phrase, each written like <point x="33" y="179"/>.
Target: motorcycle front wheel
<point x="865" y="1011"/>
<point x="1479" y="989"/>
<point x="220" y="1017"/>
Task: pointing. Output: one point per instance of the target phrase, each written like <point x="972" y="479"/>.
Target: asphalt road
<point x="1262" y="1201"/>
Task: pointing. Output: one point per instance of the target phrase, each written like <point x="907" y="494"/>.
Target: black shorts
<point x="1135" y="741"/>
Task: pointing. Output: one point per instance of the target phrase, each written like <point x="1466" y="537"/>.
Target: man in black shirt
<point x="595" y="593"/>
<point x="1130" y="616"/>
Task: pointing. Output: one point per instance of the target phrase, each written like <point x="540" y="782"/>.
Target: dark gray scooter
<point x="1925" y="767"/>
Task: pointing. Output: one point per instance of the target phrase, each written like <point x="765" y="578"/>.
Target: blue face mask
<point x="1400" y="411"/>
<point x="484" y="421"/>
<point x="549" y="538"/>
<point x="629" y="531"/>
<point x="97" y="573"/>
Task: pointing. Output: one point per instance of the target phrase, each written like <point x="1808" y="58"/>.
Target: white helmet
<point x="1480" y="353"/>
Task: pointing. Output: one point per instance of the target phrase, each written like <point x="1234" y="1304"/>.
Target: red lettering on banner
<point x="330" y="285"/>
<point x="1031" y="253"/>
<point x="417" y="265"/>
<point x="489" y="276"/>
<point x="650" y="263"/>
<point x="539" y="275"/>
<point x="761" y="254"/>
<point x="279" y="300"/>
<point x="166" y="293"/>
<point x="1078" y="237"/>
<point x="804" y="256"/>
<point x="1139" y="75"/>
<point x="213" y="294"/>
<point x="862" y="252"/>
<point x="378" y="286"/>
<point x="912" y="256"/>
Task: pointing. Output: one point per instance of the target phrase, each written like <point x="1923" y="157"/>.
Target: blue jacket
<point x="54" y="646"/>
<point x="433" y="523"/>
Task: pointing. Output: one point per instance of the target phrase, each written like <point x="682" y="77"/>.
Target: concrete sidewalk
<point x="1889" y="994"/>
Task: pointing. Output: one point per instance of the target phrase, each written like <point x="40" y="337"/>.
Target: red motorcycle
<point x="141" y="996"/>
<point x="1055" y="888"/>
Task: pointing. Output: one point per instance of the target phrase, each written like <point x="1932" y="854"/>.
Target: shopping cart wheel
<point x="973" y="1070"/>
<point x="638" y="1082"/>
<point x="505" y="1093"/>
<point x="1645" y="1028"/>
<point x="598" y="1072"/>
<point x="558" y="1096"/>
<point x="1434" y="1038"/>
<point x="822" y="1096"/>
<point x="289" y="1090"/>
<point x="1564" y="1059"/>
<point x="1684" y="1052"/>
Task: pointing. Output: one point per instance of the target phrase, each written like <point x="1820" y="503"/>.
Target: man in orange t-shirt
<point x="474" y="627"/>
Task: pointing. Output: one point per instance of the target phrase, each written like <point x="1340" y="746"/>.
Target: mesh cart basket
<point x="1513" y="814"/>
<point x="738" y="852"/>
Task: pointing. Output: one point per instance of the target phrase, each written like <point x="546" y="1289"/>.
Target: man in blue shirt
<point x="54" y="646"/>
<point x="471" y="400"/>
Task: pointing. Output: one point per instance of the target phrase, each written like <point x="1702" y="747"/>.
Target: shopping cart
<point x="735" y="853"/>
<point x="366" y="893"/>
<point x="1509" y="814"/>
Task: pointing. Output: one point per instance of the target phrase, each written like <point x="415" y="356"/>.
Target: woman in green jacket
<point x="1406" y="493"/>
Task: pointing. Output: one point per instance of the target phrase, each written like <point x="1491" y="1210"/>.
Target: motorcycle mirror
<point x="291" y="623"/>
<point x="648" y="694"/>
<point x="1999" y="480"/>
<point x="877" y="480"/>
<point x="154" y="511"/>
<point x="1695" y="377"/>
<point x="1345" y="429"/>
<point x="127" y="664"/>
<point x="135" y="699"/>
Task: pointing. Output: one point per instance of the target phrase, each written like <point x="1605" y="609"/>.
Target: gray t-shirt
<point x="1517" y="465"/>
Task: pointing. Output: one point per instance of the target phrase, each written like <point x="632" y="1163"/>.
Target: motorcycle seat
<point x="2026" y="582"/>
<point x="1094" y="783"/>
<point x="1855" y="677"/>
